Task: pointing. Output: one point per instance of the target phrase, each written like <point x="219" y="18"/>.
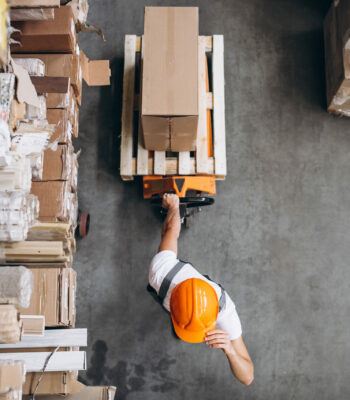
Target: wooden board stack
<point x="39" y="168"/>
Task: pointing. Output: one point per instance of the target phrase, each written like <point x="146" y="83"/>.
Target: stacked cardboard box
<point x="337" y="57"/>
<point x="41" y="119"/>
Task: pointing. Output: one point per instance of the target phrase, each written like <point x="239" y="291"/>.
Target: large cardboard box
<point x="170" y="78"/>
<point x="64" y="128"/>
<point x="53" y="296"/>
<point x="57" y="203"/>
<point x="61" y="383"/>
<point x="53" y="36"/>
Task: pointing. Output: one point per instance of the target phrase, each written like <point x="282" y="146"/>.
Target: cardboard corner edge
<point x="95" y="72"/>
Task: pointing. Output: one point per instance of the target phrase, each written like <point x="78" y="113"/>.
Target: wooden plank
<point x="128" y="108"/>
<point x="202" y="166"/>
<point x="159" y="163"/>
<point x="172" y="166"/>
<point x="60" y="361"/>
<point x="33" y="325"/>
<point x="52" y="338"/>
<point x="184" y="163"/>
<point x="138" y="43"/>
<point x="219" y="106"/>
<point x="208" y="43"/>
<point x="142" y="153"/>
<point x="51" y="84"/>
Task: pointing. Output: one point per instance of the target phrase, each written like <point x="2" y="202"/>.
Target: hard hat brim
<point x="191" y="337"/>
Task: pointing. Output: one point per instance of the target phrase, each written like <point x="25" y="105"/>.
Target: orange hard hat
<point x="194" y="309"/>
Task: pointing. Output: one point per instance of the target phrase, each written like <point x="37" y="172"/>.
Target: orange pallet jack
<point x="194" y="191"/>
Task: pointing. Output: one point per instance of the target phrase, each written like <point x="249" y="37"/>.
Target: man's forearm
<point x="172" y="221"/>
<point x="241" y="367"/>
<point x="171" y="230"/>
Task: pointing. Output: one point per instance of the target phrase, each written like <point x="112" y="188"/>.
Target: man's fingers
<point x="216" y="331"/>
<point x="217" y="341"/>
<point x="218" y="336"/>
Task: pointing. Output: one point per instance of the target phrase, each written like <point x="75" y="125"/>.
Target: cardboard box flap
<point x="95" y="72"/>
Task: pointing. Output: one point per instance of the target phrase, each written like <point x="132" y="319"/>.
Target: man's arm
<point x="236" y="352"/>
<point x="172" y="224"/>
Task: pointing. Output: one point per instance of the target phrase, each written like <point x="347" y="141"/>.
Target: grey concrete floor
<point x="277" y="237"/>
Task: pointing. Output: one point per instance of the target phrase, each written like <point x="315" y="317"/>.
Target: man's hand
<point x="220" y="339"/>
<point x="236" y="353"/>
<point x="170" y="201"/>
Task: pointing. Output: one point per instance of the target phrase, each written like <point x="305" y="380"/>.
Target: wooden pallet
<point x="159" y="163"/>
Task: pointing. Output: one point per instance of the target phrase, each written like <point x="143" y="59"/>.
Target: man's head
<point x="194" y="309"/>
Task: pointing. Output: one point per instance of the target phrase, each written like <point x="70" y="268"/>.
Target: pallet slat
<point x="142" y="153"/>
<point x="202" y="166"/>
<point x="172" y="166"/>
<point x="128" y="109"/>
<point x="184" y="163"/>
<point x="159" y="163"/>
<point x="219" y="105"/>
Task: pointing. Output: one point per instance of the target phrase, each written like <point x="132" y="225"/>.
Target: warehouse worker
<point x="200" y="309"/>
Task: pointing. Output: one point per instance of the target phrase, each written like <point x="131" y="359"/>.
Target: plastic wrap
<point x="5" y="143"/>
<point x="17" y="175"/>
<point x="16" y="285"/>
<point x="80" y="10"/>
<point x="7" y="91"/>
<point x="37" y="112"/>
<point x="18" y="212"/>
<point x="34" y="66"/>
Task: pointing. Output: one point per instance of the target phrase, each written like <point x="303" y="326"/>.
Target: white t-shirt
<point x="164" y="261"/>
